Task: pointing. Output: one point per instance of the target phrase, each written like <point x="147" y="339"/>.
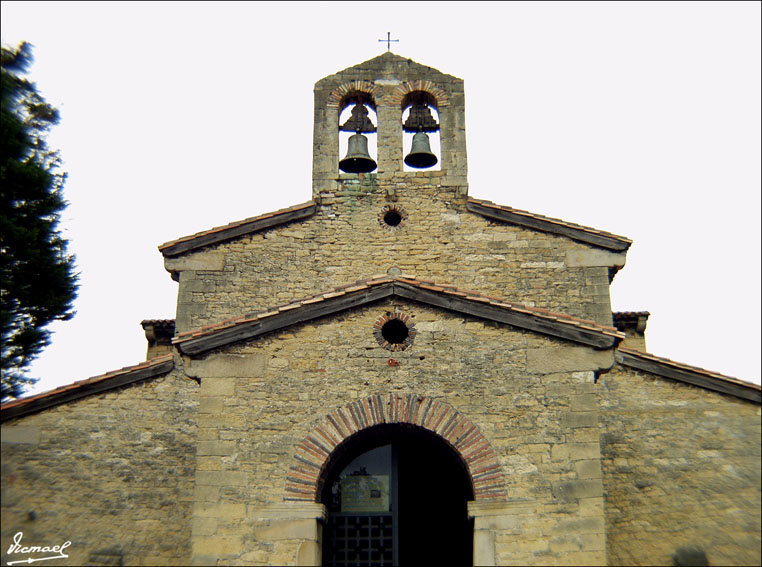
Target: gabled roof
<point x="427" y="292"/>
<point x="76" y="390"/>
<point x="386" y="58"/>
<point x="481" y="207"/>
<point x="236" y="229"/>
<point x="547" y="224"/>
<point x="689" y="374"/>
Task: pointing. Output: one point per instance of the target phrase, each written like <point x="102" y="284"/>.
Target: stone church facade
<point x="393" y="372"/>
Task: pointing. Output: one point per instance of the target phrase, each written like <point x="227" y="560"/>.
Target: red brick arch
<point x="338" y="94"/>
<point x="430" y="87"/>
<point x="313" y="453"/>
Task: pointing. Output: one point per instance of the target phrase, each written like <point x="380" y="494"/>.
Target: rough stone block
<point x="202" y="526"/>
<point x="221" y="478"/>
<point x="578" y="419"/>
<point x="582" y="558"/>
<point x="218" y="547"/>
<point x="575" y="489"/>
<point x="209" y="404"/>
<point x="211" y="386"/>
<point x="198" y="261"/>
<point x="225" y="365"/>
<point x="594" y="257"/>
<point x="567" y="359"/>
<point x="206" y="493"/>
<point x="215" y="447"/>
<point x="583" y="402"/>
<point x="287" y="529"/>
<point x="19" y="434"/>
<point x="587" y="525"/>
<point x="484" y="548"/>
<point x="221" y="511"/>
<point x="309" y="553"/>
<point x="508" y="524"/>
<point x="588" y="469"/>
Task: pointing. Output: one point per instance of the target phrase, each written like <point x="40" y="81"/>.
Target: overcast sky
<point x="642" y="119"/>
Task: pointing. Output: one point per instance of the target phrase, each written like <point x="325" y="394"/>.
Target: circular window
<point x="394" y="331"/>
<point x="392" y="217"/>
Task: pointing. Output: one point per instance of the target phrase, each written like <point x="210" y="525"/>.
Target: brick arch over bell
<point x="338" y="94"/>
<point x="313" y="453"/>
<point x="430" y="87"/>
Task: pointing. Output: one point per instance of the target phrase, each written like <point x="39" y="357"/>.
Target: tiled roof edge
<point x="238" y="228"/>
<point x="689" y="374"/>
<point x="76" y="390"/>
<point x="364" y="291"/>
<point x="599" y="238"/>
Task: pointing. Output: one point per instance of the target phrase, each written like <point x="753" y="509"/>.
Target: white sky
<point x="642" y="119"/>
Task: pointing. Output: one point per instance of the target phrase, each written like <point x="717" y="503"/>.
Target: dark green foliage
<point x="37" y="280"/>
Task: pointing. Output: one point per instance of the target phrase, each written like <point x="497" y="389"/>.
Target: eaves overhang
<point x="585" y="332"/>
<point x="237" y="229"/>
<point x="689" y="374"/>
<point x="577" y="232"/>
<point x="129" y="375"/>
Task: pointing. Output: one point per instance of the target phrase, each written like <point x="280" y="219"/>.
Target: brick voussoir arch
<point x="430" y="87"/>
<point x="338" y="94"/>
<point x="313" y="452"/>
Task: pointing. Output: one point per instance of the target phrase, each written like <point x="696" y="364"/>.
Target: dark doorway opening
<point x="397" y="495"/>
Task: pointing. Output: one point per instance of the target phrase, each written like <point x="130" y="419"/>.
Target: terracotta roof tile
<point x="540" y="220"/>
<point x="552" y="220"/>
<point x="687" y="367"/>
<point x="356" y="287"/>
<point x="692" y="375"/>
<point x="167" y="246"/>
<point x="88" y="381"/>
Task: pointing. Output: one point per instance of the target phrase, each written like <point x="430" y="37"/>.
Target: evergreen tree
<point x="37" y="280"/>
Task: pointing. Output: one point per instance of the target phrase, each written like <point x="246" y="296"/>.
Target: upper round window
<point x="392" y="217"/>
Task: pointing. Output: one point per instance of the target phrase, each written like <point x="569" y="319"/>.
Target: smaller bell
<point x="358" y="159"/>
<point x="420" y="155"/>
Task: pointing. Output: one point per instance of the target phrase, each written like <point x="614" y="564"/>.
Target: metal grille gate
<point x="361" y="540"/>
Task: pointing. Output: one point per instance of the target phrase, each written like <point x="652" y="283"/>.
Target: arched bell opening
<point x="358" y="139"/>
<point x="421" y="140"/>
<point x="394" y="493"/>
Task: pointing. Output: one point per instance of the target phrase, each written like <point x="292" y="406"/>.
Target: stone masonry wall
<point x="344" y="242"/>
<point x="533" y="398"/>
<point x="112" y="473"/>
<point x="681" y="468"/>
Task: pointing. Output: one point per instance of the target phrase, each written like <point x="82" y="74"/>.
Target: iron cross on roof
<point x="389" y="40"/>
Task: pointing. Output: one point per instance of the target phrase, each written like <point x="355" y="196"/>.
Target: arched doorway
<point x="396" y="494"/>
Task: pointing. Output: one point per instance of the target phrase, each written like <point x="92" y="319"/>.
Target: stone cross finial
<point x="389" y="41"/>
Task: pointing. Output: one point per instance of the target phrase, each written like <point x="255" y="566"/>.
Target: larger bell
<point x="420" y="155"/>
<point x="358" y="159"/>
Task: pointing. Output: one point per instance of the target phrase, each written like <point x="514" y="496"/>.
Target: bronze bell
<point x="358" y="159"/>
<point x="420" y="155"/>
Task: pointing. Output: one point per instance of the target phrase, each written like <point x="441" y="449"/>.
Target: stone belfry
<point x="389" y="84"/>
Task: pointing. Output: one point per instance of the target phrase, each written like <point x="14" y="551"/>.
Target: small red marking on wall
<point x="393" y="362"/>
